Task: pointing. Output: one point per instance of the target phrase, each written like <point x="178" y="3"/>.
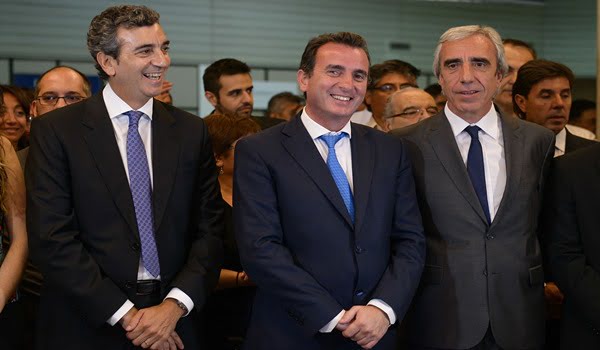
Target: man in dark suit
<point x="326" y="218"/>
<point x="571" y="224"/>
<point x="478" y="179"/>
<point x="542" y="95"/>
<point x="123" y="202"/>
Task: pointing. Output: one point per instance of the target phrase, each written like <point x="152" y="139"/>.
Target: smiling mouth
<point x="153" y="76"/>
<point x="341" y="98"/>
<point x="468" y="93"/>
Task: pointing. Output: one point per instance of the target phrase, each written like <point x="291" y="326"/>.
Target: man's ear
<point x="212" y="98"/>
<point x="107" y="63"/>
<point x="302" y="78"/>
<point x="32" y="109"/>
<point x="521" y="102"/>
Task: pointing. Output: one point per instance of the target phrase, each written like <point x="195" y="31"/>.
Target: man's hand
<point x="365" y="325"/>
<point x="154" y="327"/>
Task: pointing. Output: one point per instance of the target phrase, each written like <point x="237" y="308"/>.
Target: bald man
<point x="408" y="106"/>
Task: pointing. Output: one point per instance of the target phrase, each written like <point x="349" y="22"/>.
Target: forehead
<point x="235" y="81"/>
<point x="556" y="84"/>
<point x="136" y="36"/>
<point x="353" y="58"/>
<point x="396" y="78"/>
<point x="416" y="98"/>
<point x="472" y="46"/>
<point x="61" y="79"/>
<point x="517" y="54"/>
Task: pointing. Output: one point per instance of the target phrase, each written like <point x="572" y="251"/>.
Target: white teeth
<point x="153" y="75"/>
<point x="341" y="98"/>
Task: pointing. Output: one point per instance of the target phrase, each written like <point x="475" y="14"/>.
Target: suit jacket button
<point x="485" y="272"/>
<point x="128" y="285"/>
<point x="358" y="249"/>
<point x="360" y="293"/>
<point x="135" y="246"/>
<point x="489" y="236"/>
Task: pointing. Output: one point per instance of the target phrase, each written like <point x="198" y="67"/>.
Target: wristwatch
<point x="181" y="306"/>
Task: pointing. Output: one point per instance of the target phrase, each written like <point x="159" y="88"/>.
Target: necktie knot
<point x="473" y="130"/>
<point x="331" y="140"/>
<point x="134" y="117"/>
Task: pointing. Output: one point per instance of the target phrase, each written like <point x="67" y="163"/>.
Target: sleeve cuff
<point x="383" y="306"/>
<point x="331" y="325"/>
<point x="128" y="305"/>
<point x="178" y="294"/>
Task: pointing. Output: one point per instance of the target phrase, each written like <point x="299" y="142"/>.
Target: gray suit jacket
<point x="477" y="274"/>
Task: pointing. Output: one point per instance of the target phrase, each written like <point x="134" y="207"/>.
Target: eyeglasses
<point x="414" y="112"/>
<point x="52" y="100"/>
<point x="389" y="88"/>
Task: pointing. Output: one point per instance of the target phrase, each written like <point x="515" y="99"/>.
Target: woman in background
<point x="12" y="229"/>
<point x="14" y="121"/>
<point x="228" y="309"/>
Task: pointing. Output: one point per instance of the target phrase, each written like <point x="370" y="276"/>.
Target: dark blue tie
<point x="141" y="191"/>
<point x="476" y="169"/>
<point x="337" y="172"/>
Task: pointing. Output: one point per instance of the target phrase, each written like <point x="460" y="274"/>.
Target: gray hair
<point x="459" y="33"/>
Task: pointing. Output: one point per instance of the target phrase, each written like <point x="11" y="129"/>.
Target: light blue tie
<point x="338" y="173"/>
<point x="141" y="191"/>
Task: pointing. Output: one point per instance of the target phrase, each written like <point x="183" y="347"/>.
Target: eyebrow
<point x="550" y="91"/>
<point x="452" y="60"/>
<point x="150" y="46"/>
<point x="479" y="59"/>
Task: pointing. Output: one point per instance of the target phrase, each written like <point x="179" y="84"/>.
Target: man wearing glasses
<point x="407" y="107"/>
<point x="385" y="79"/>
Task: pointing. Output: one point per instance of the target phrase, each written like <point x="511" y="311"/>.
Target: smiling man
<point x="123" y="202"/>
<point x="326" y="218"/>
<point x="478" y="178"/>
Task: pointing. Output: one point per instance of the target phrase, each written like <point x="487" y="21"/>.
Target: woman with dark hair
<point x="12" y="230"/>
<point x="228" y="310"/>
<point x="14" y="121"/>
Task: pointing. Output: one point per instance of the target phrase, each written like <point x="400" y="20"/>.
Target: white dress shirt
<point x="343" y="153"/>
<point x="116" y="108"/>
<point x="560" y="143"/>
<point x="492" y="144"/>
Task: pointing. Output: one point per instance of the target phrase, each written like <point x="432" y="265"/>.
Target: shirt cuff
<point x="128" y="305"/>
<point x="331" y="325"/>
<point x="178" y="294"/>
<point x="383" y="306"/>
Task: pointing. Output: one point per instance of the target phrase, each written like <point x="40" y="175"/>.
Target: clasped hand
<point x="154" y="327"/>
<point x="364" y="324"/>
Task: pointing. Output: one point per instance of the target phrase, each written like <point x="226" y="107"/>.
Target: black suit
<point x="574" y="142"/>
<point x="478" y="275"/>
<point x="82" y="224"/>
<point x="572" y="224"/>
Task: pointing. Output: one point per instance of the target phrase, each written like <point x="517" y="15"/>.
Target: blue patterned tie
<point x="141" y="191"/>
<point x="338" y="173"/>
<point x="476" y="169"/>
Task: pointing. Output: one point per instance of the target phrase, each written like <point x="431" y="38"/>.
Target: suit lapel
<point x="99" y="136"/>
<point x="444" y="145"/>
<point x="513" y="155"/>
<point x="165" y="156"/>
<point x="298" y="143"/>
<point x="363" y="161"/>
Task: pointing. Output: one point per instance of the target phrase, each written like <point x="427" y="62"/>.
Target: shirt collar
<point x="489" y="123"/>
<point x="117" y="107"/>
<point x="561" y="140"/>
<point x="315" y="130"/>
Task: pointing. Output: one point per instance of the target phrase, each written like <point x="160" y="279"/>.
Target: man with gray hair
<point x="408" y="106"/>
<point x="478" y="176"/>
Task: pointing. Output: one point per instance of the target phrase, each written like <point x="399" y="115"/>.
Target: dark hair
<point x="307" y="63"/>
<point x="579" y="106"/>
<point x="520" y="43"/>
<point x="275" y="103"/>
<point x="102" y="34"/>
<point x="87" y="89"/>
<point x="532" y="73"/>
<point x="24" y="98"/>
<point x="225" y="129"/>
<point x="377" y="71"/>
<point x="224" y="66"/>
<point x="434" y="90"/>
